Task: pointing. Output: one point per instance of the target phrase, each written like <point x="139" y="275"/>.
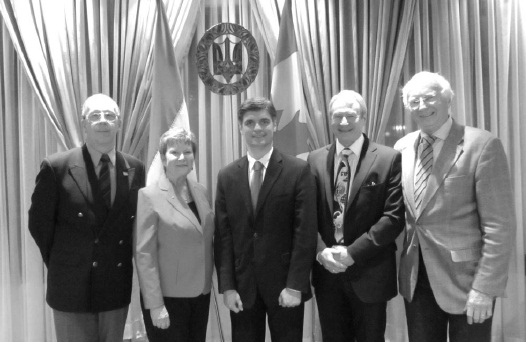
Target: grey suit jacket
<point x="466" y="220"/>
<point x="173" y="252"/>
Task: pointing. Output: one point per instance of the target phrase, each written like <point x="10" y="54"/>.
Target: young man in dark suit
<point x="360" y="214"/>
<point x="265" y="237"/>
<point x="81" y="217"/>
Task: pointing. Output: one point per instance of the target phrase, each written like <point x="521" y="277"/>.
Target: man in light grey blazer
<point x="459" y="219"/>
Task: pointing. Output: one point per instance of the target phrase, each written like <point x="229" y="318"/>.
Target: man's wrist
<point x="292" y="290"/>
<point x="318" y="258"/>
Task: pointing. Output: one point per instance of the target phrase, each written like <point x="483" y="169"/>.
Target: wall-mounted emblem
<point x="227" y="59"/>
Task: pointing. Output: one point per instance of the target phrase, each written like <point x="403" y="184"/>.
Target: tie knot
<point x="257" y="166"/>
<point x="429" y="139"/>
<point x="346" y="152"/>
<point x="104" y="158"/>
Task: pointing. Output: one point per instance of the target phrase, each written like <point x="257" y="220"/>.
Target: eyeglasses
<point x="349" y="118"/>
<point x="415" y="102"/>
<point x="97" y="116"/>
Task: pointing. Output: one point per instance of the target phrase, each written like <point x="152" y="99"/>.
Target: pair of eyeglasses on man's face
<point x="97" y="116"/>
<point x="415" y="102"/>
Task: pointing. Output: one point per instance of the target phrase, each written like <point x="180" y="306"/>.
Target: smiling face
<point x="428" y="106"/>
<point x="347" y="121"/>
<point x="257" y="128"/>
<point x="178" y="160"/>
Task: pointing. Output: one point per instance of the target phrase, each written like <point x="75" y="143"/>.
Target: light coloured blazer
<point x="466" y="220"/>
<point x="173" y="252"/>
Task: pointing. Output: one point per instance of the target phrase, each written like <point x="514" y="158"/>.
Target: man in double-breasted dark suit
<point x="81" y="217"/>
<point x="360" y="214"/>
<point x="265" y="238"/>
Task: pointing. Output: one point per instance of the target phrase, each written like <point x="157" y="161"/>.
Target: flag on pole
<point x="292" y="136"/>
<point x="168" y="104"/>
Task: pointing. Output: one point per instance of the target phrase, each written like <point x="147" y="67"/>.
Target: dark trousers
<point x="426" y="321"/>
<point x="285" y="324"/>
<point x="188" y="320"/>
<point x="106" y="326"/>
<point x="344" y="317"/>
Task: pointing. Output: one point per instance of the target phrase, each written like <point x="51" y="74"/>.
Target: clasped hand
<point x="160" y="317"/>
<point x="336" y="259"/>
<point x="289" y="299"/>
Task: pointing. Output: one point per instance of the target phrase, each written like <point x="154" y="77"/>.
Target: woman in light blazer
<point x="173" y="246"/>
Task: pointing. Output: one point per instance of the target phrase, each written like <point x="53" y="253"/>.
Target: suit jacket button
<point x="80" y="215"/>
<point x="119" y="264"/>
<point x="96" y="241"/>
<point x="121" y="242"/>
<point x="132" y="217"/>
<point x="95" y="264"/>
<point x="255" y="235"/>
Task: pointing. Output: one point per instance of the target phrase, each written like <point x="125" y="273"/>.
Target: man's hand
<point x="289" y="298"/>
<point x="344" y="257"/>
<point x="160" y="317"/>
<point x="326" y="258"/>
<point x="233" y="301"/>
<point x="479" y="307"/>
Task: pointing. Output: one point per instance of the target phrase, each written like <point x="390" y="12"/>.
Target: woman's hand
<point x="160" y="317"/>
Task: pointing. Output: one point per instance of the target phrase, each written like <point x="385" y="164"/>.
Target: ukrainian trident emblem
<point x="227" y="59"/>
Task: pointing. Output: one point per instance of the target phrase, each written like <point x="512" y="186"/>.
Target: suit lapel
<point x="166" y="187"/>
<point x="244" y="184"/>
<point x="449" y="154"/>
<point x="271" y="175"/>
<point x="328" y="177"/>
<point x="408" y="164"/>
<point x="123" y="180"/>
<point x="200" y="202"/>
<point x="365" y="161"/>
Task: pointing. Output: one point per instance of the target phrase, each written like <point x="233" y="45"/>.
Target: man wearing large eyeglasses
<point x="460" y="217"/>
<point x="81" y="217"/>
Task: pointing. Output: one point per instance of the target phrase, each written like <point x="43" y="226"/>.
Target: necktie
<point x="424" y="165"/>
<point x="104" y="180"/>
<point x="341" y="194"/>
<point x="255" y="183"/>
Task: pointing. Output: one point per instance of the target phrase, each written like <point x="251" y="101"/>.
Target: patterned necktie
<point x="424" y="165"/>
<point x="255" y="183"/>
<point x="104" y="180"/>
<point x="341" y="194"/>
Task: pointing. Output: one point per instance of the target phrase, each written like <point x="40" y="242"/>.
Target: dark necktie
<point x="255" y="183"/>
<point x="424" y="165"/>
<point x="341" y="193"/>
<point x="104" y="180"/>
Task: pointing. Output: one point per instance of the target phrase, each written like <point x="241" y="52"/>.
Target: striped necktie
<point x="104" y="180"/>
<point x="424" y="165"/>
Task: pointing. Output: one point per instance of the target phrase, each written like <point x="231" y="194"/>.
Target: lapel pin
<point x="125" y="173"/>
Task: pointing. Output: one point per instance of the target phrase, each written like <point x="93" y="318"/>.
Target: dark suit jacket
<point x="88" y="253"/>
<point x="373" y="219"/>
<point x="274" y="247"/>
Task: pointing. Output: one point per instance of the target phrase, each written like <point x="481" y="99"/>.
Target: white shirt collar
<point x="443" y="131"/>
<point x="95" y="156"/>
<point x="263" y="160"/>
<point x="356" y="146"/>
